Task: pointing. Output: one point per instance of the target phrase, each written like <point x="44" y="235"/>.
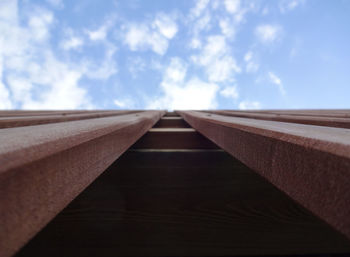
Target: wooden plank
<point x="183" y="203"/>
<point x="173" y="138"/>
<point x="44" y="167"/>
<point x="10" y="122"/>
<point x="296" y="117"/>
<point x="341" y="113"/>
<point x="310" y="163"/>
<point x="171" y="114"/>
<point x="171" y="122"/>
<point x="22" y="113"/>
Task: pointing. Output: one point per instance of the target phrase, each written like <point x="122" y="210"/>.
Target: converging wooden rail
<point x="309" y="163"/>
<point x="45" y="167"/>
<point x="184" y="183"/>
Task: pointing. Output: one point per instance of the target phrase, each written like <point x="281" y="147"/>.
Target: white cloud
<point x="227" y="28"/>
<point x="165" y="25"/>
<point x="124" y="103"/>
<point x="202" y="23"/>
<point x="106" y="68"/>
<point x="216" y="59"/>
<point x="179" y="93"/>
<point x="71" y="41"/>
<point x="232" y="6"/>
<point x="251" y="64"/>
<point x="237" y="10"/>
<point x="249" y="105"/>
<point x="39" y="23"/>
<point x="139" y="37"/>
<point x="195" y="43"/>
<point x="198" y="9"/>
<point x="5" y="102"/>
<point x="176" y="71"/>
<point x="154" y="36"/>
<point x="100" y="34"/>
<point x="248" y="56"/>
<point x="34" y="77"/>
<point x="277" y="81"/>
<point x="289" y="5"/>
<point x="268" y="33"/>
<point x="230" y="92"/>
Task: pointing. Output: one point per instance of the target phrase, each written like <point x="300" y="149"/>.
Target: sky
<point x="174" y="54"/>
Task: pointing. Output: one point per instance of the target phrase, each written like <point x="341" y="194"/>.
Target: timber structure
<point x="183" y="183"/>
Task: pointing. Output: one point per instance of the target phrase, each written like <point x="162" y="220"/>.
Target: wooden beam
<point x="45" y="167"/>
<point x="341" y="113"/>
<point x="171" y="122"/>
<point x="173" y="138"/>
<point x="183" y="203"/>
<point x="310" y="163"/>
<point x="10" y="122"/>
<point x="296" y="117"/>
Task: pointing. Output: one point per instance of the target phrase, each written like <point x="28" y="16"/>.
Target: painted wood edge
<point x="312" y="170"/>
<point x="31" y="194"/>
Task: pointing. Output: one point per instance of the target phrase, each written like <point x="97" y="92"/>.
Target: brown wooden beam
<point x="10" y="122"/>
<point x="310" y="163"/>
<point x="171" y="122"/>
<point x="45" y="167"/>
<point x="173" y="138"/>
<point x="341" y="113"/>
<point x="183" y="203"/>
<point x="296" y="117"/>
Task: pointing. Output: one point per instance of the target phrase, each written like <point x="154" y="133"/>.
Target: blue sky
<point x="206" y="54"/>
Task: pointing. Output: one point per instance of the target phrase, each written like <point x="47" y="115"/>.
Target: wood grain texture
<point x="10" y="122"/>
<point x="44" y="167"/>
<point x="296" y="117"/>
<point x="187" y="203"/>
<point x="341" y="113"/>
<point x="310" y="163"/>
<point x="23" y="113"/>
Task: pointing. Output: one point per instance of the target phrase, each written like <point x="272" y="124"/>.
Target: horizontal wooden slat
<point x="310" y="163"/>
<point x="44" y="167"/>
<point x="183" y="203"/>
<point x="297" y="117"/>
<point x="173" y="138"/>
<point x="171" y="122"/>
<point x="9" y="122"/>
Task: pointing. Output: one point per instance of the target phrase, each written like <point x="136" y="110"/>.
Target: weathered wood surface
<point x="310" y="163"/>
<point x="29" y="120"/>
<point x="22" y="113"/>
<point x="183" y="203"/>
<point x="345" y="113"/>
<point x="296" y="117"/>
<point x="44" y="167"/>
